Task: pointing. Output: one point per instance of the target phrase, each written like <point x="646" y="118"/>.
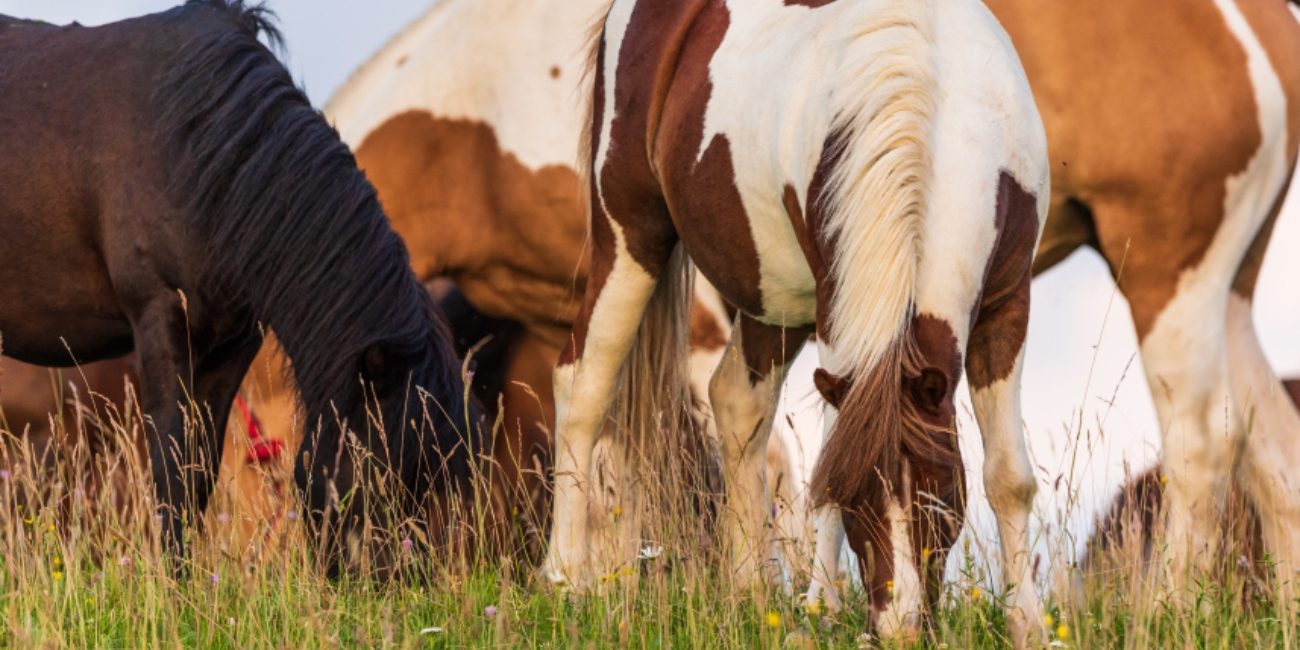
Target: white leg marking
<point x="583" y="392"/>
<point x="744" y="414"/>
<point x="1010" y="485"/>
<point x="901" y="616"/>
<point x="1271" y="454"/>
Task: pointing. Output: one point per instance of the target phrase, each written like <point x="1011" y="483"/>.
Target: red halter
<point x="261" y="449"/>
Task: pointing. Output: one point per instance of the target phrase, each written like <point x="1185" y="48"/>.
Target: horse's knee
<point x="1009" y="483"/>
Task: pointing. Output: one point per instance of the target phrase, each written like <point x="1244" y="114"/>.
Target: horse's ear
<point x="930" y="391"/>
<point x="830" y="386"/>
<point x="379" y="363"/>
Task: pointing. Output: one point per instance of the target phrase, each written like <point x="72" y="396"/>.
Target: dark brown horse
<point x="201" y="198"/>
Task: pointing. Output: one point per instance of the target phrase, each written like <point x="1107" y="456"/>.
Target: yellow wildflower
<point x="975" y="593"/>
<point x="617" y="511"/>
<point x="889" y="586"/>
<point x="773" y="619"/>
<point x="1164" y="479"/>
<point x="58" y="575"/>
<point x="1063" y="632"/>
<point x="1048" y="621"/>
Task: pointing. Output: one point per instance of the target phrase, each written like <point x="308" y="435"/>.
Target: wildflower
<point x="974" y="593"/>
<point x="925" y="554"/>
<point x="223" y="518"/>
<point x="1063" y="632"/>
<point x="58" y="575"/>
<point x="1048" y="621"/>
<point x="29" y="520"/>
<point x="889" y="586"/>
<point x="626" y="572"/>
<point x="407" y="544"/>
<point x="617" y="511"/>
<point x="292" y="515"/>
<point x="124" y="561"/>
<point x="4" y="475"/>
<point x="1164" y="479"/>
<point x="51" y="527"/>
<point x="490" y="611"/>
<point x="216" y="577"/>
<point x="813" y="608"/>
<point x="773" y="619"/>
<point x="650" y="552"/>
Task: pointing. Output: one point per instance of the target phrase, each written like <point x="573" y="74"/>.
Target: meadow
<point x="79" y="569"/>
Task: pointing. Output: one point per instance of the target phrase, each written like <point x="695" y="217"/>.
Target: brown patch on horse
<point x="819" y="241"/>
<point x="706" y="185"/>
<point x="510" y="236"/>
<point x="1006" y="283"/>
<point x="1155" y="201"/>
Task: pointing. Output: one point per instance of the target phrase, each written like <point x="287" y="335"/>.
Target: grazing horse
<point x="201" y="198"/>
<point x="875" y="171"/>
<point x="1171" y="157"/>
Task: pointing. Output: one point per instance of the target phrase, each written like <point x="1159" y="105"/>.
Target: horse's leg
<point x="619" y="287"/>
<point x="828" y="522"/>
<point x="160" y="342"/>
<point x="743" y="392"/>
<point x="994" y="370"/>
<point x="1185" y="359"/>
<point x="217" y="379"/>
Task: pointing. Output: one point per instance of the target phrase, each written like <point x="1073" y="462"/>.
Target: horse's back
<point x="83" y="186"/>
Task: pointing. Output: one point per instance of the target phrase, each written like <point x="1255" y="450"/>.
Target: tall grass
<point x="80" y="568"/>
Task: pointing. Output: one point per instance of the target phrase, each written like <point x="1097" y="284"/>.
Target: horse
<point x="203" y="199"/>
<point x="1182" y="212"/>
<point x="473" y="159"/>
<point x="886" y="190"/>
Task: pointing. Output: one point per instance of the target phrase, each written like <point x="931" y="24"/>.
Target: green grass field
<point x="78" y="571"/>
<point x="64" y="587"/>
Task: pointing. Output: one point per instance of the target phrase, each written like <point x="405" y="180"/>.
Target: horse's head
<point x="397" y="449"/>
<point x="901" y="521"/>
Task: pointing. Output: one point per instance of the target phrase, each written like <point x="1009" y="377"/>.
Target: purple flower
<point x="292" y="515"/>
<point x="490" y="611"/>
<point x="4" y="475"/>
<point x="124" y="561"/>
<point x="216" y="577"/>
<point x="223" y="518"/>
<point x="407" y="544"/>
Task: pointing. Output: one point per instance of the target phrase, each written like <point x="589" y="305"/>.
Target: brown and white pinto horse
<point x="1171" y="157"/>
<point x="874" y="169"/>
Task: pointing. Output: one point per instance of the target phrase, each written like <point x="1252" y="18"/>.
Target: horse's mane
<point x="874" y="203"/>
<point x="291" y="231"/>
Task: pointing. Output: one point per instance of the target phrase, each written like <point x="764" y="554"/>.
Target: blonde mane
<point x="876" y="197"/>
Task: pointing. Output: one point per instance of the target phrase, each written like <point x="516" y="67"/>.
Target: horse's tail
<point x="667" y="458"/>
<point x="876" y="171"/>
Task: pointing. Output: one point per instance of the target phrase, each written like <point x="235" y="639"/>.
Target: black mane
<point x="291" y="231"/>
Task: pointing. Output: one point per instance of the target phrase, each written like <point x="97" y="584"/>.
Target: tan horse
<point x="1171" y="157"/>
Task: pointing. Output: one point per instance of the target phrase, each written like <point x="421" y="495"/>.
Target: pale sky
<point x="1081" y="367"/>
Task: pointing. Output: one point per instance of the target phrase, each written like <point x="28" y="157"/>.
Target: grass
<point x="78" y="570"/>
